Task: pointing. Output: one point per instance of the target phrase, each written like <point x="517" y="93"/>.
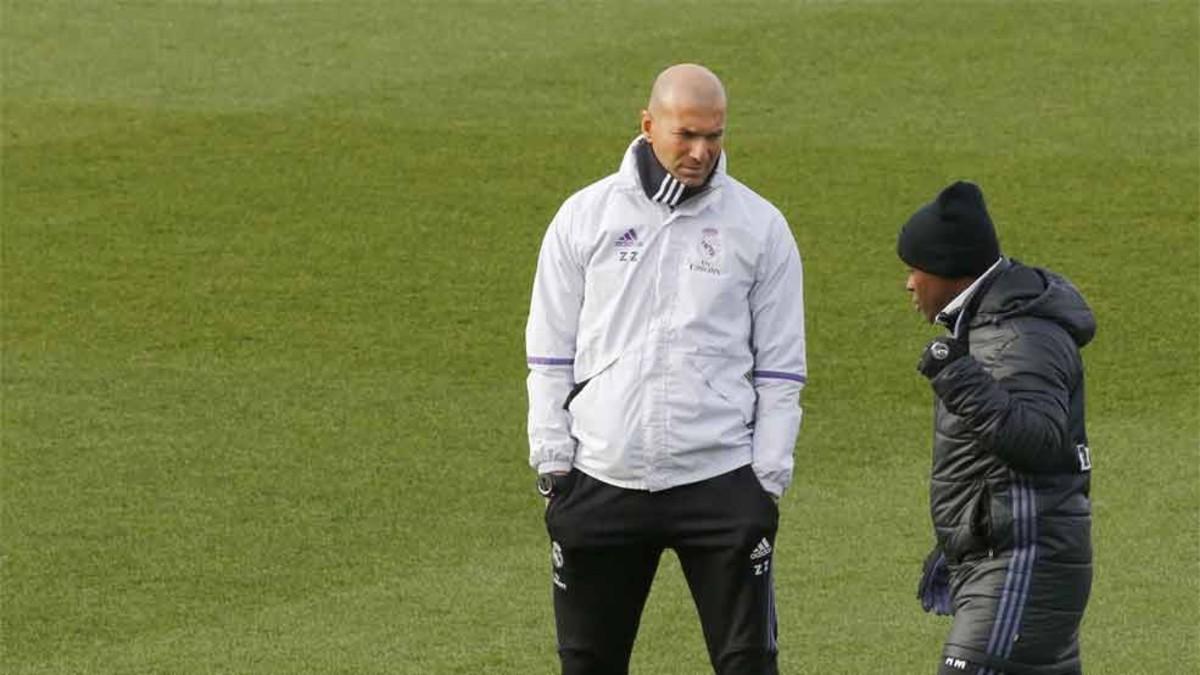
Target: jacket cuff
<point x="553" y="467"/>
<point x="769" y="485"/>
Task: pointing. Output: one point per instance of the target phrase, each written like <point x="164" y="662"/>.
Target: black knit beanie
<point x="952" y="236"/>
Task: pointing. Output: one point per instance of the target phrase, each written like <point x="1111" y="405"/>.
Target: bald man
<point x="665" y="346"/>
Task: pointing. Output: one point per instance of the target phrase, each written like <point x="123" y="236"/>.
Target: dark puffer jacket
<point x="1011" y="468"/>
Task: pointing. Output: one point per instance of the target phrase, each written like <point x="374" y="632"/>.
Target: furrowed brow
<point x="709" y="135"/>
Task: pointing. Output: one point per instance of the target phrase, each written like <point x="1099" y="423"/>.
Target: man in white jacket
<point x="666" y="357"/>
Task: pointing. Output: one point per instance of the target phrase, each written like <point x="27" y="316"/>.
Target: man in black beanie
<point x="1011" y="465"/>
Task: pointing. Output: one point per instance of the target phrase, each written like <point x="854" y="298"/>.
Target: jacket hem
<point x="713" y="470"/>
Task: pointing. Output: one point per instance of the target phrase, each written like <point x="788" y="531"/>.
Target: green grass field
<point x="266" y="270"/>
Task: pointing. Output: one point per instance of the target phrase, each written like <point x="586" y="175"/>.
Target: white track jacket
<point x="685" y="328"/>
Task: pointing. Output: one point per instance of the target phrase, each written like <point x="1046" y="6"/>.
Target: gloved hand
<point x="934" y="589"/>
<point x="940" y="353"/>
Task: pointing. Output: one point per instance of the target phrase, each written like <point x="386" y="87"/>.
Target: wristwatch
<point x="550" y="484"/>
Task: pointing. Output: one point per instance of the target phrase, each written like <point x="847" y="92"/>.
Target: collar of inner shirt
<point x="659" y="185"/>
<point x="952" y="315"/>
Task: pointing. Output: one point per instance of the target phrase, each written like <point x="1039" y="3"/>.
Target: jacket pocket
<point x="603" y="405"/>
<point x="575" y="391"/>
<point x="1000" y="519"/>
<point x="582" y="384"/>
<point x="972" y="536"/>
<point x="734" y="389"/>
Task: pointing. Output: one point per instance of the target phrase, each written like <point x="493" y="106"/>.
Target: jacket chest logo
<point x="706" y="257"/>
<point x="628" y="247"/>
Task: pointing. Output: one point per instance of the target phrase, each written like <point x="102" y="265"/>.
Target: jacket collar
<point x="952" y="314"/>
<point x="641" y="169"/>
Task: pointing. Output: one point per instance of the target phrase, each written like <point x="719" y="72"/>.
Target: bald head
<point x="684" y="122"/>
<point x="686" y="85"/>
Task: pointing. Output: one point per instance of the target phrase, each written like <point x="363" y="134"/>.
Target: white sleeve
<point x="550" y="346"/>
<point x="780" y="368"/>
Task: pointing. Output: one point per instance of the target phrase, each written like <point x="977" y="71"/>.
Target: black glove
<point x="940" y="353"/>
<point x="934" y="589"/>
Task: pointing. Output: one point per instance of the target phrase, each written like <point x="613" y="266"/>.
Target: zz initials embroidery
<point x="627" y="256"/>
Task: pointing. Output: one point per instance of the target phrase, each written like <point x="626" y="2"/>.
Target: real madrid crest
<point x="708" y="252"/>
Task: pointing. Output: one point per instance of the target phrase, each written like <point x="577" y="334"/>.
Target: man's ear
<point x="647" y="122"/>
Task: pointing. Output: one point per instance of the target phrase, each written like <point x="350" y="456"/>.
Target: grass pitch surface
<point x="266" y="270"/>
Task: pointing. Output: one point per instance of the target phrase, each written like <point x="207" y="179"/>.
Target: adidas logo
<point x="628" y="239"/>
<point x="762" y="550"/>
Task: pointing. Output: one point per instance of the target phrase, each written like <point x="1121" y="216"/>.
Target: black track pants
<point x="605" y="546"/>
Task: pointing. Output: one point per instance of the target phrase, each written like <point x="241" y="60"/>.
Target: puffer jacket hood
<point x="1032" y="291"/>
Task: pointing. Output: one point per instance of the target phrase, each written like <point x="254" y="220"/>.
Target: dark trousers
<point x="605" y="546"/>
